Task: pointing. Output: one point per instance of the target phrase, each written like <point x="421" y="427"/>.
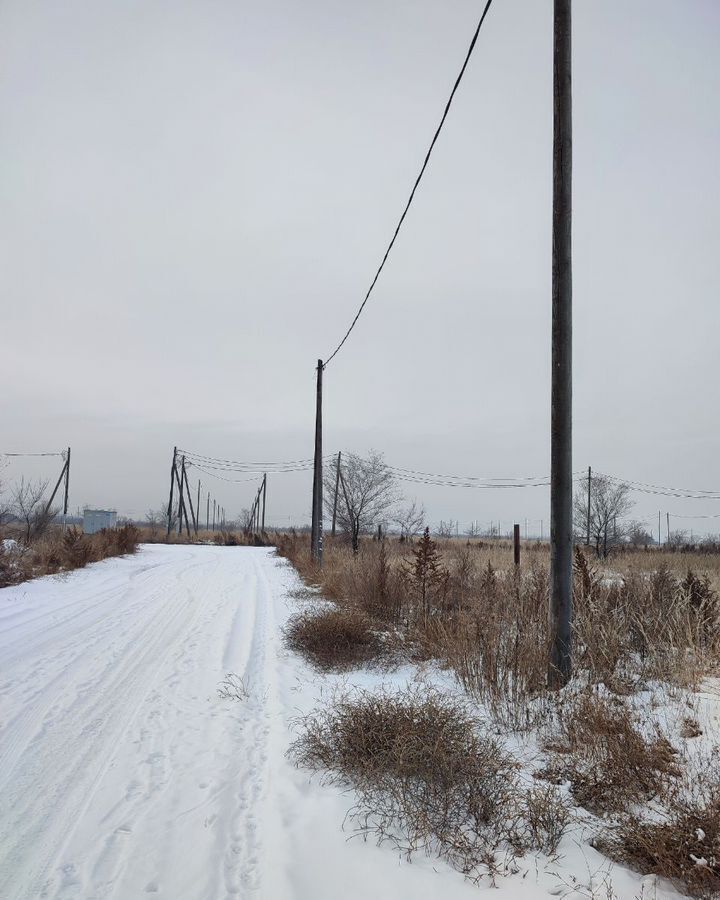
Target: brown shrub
<point x="336" y="638"/>
<point x="425" y="776"/>
<point x="685" y="847"/>
<point x="600" y="748"/>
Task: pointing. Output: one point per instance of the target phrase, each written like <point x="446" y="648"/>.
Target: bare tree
<point x="367" y="494"/>
<point x="410" y="520"/>
<point x="638" y="534"/>
<point x="5" y="510"/>
<point x="30" y="508"/>
<point x="445" y="529"/>
<point x="678" y="539"/>
<point x="473" y="530"/>
<point x="609" y="502"/>
<point x="157" y="519"/>
<point x="245" y="520"/>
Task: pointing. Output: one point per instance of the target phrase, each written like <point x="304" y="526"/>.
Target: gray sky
<point x="195" y="196"/>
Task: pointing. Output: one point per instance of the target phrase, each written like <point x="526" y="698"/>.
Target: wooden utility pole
<point x="337" y="488"/>
<point x="659" y="532"/>
<point x="64" y="475"/>
<point x="197" y="517"/>
<point x="587" y="536"/>
<point x="192" y="510"/>
<point x="173" y="474"/>
<point x="317" y="515"/>
<point x="182" y="487"/>
<point x="207" y="513"/>
<point x="667" y="542"/>
<point x="264" y="500"/>
<point x="561" y="534"/>
<point x="67" y="483"/>
<point x="214" y="508"/>
<point x="516" y="545"/>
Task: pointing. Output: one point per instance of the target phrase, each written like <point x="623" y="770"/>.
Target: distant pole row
<point x="179" y="480"/>
<point x="256" y="523"/>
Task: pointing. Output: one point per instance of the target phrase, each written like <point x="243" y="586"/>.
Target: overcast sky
<point x="195" y="196"/>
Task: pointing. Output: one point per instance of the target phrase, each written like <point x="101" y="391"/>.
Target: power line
<point x="417" y="181"/>
<point x="679" y="493"/>
<point x="62" y="453"/>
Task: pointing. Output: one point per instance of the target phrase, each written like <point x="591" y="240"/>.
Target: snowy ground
<point x="123" y="774"/>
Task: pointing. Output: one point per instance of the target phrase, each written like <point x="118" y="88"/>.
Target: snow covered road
<point x="121" y="771"/>
<point x="124" y="775"/>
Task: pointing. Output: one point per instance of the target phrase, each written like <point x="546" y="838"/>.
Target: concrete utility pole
<point x="561" y="536"/>
<point x="317" y="514"/>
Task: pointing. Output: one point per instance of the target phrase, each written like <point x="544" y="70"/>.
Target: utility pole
<point x="587" y="536"/>
<point x="264" y="499"/>
<point x="668" y="529"/>
<point x="172" y="487"/>
<point x="659" y="534"/>
<point x="67" y="485"/>
<point x="207" y="513"/>
<point x="337" y="488"/>
<point x="182" y="489"/>
<point x="317" y="516"/>
<point x="516" y="545"/>
<point x="214" y="508"/>
<point x="561" y="536"/>
<point x="197" y="517"/>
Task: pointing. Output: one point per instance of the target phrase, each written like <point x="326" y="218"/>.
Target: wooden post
<point x="561" y="540"/>
<point x="337" y="488"/>
<point x="317" y="515"/>
<point x="516" y="544"/>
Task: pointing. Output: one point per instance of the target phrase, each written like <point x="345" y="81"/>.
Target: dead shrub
<point x="546" y="816"/>
<point x="685" y="847"/>
<point x="426" y="778"/>
<point x="600" y="748"/>
<point x="335" y="638"/>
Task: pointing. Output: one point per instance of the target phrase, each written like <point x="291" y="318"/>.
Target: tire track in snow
<point x="77" y="747"/>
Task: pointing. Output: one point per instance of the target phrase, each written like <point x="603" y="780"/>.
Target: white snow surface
<point x="123" y="773"/>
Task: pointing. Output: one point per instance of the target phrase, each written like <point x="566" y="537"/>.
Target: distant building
<point x="95" y="520"/>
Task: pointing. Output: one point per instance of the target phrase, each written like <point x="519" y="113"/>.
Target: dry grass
<point x="488" y="622"/>
<point x="336" y="638"/>
<point x="683" y="842"/>
<point x="64" y="550"/>
<point x="427" y="778"/>
<point x="610" y="757"/>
